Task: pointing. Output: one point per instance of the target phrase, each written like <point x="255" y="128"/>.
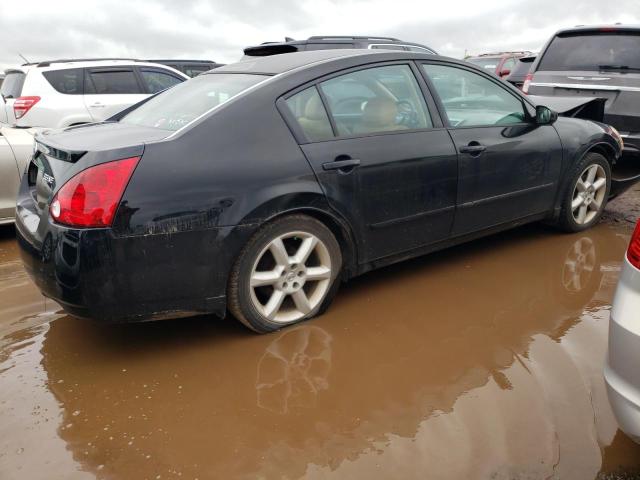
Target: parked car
<point x="601" y="61"/>
<point x="259" y="186"/>
<point x="16" y="150"/>
<point x="1" y="78"/>
<point x="500" y="64"/>
<point x="519" y="72"/>
<point x="190" y="68"/>
<point x="61" y="93"/>
<point x="332" y="42"/>
<point x="621" y="372"/>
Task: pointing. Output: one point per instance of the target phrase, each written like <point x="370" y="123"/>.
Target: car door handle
<point x="473" y="149"/>
<point x="343" y="165"/>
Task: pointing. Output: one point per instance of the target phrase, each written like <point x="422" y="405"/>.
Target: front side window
<point x="68" y="81"/>
<point x="176" y="107"/>
<point x="470" y="100"/>
<point x="113" y="82"/>
<point x="375" y="100"/>
<point x="309" y="112"/>
<point x="156" y="81"/>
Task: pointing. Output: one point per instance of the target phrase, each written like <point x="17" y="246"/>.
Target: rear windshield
<point x="174" y="108"/>
<point x="12" y="85"/>
<point x="522" y="67"/>
<point x="592" y="52"/>
<point x="486" y="63"/>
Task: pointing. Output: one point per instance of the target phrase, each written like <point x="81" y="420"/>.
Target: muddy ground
<point x="484" y="361"/>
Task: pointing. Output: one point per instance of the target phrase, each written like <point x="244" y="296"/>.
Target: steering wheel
<point x="407" y="114"/>
<point x="349" y="105"/>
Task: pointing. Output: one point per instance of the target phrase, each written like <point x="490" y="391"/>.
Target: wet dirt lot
<point x="484" y="361"/>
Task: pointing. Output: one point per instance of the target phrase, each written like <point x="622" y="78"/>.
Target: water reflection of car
<point x="267" y="229"/>
<point x="622" y="372"/>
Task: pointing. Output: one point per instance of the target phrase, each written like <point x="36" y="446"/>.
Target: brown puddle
<point x="483" y="361"/>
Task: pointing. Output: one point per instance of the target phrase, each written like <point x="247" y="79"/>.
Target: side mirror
<point x="505" y="72"/>
<point x="545" y="116"/>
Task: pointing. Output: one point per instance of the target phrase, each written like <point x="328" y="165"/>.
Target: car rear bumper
<point x="94" y="274"/>
<point x="622" y="372"/>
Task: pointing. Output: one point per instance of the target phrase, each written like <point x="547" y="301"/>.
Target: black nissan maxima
<point x="258" y="187"/>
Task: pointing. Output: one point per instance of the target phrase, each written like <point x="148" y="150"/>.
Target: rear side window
<point x="309" y="112"/>
<point x="113" y="82"/>
<point x="195" y="70"/>
<point x="155" y="81"/>
<point x="592" y="52"/>
<point x="12" y="85"/>
<point x="176" y="107"/>
<point x="380" y="99"/>
<point x="69" y="81"/>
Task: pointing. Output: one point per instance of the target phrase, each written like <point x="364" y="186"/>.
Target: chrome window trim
<point x="586" y="86"/>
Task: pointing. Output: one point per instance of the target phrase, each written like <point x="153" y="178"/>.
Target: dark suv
<point x="602" y="61"/>
<point x="327" y="43"/>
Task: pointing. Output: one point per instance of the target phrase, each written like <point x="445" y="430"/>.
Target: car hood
<point x="101" y="136"/>
<point x="587" y="108"/>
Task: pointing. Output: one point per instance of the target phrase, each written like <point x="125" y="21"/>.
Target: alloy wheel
<point x="290" y="277"/>
<point x="589" y="194"/>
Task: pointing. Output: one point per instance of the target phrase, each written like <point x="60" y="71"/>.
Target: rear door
<point x="601" y="63"/>
<point x="508" y="166"/>
<point x="384" y="162"/>
<point x="110" y="90"/>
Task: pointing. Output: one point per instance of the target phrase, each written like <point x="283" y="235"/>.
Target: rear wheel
<point x="285" y="274"/>
<point x="587" y="193"/>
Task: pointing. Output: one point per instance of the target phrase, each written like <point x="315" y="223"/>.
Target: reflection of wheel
<point x="579" y="274"/>
<point x="579" y="265"/>
<point x="586" y="195"/>
<point x="408" y="114"/>
<point x="285" y="274"/>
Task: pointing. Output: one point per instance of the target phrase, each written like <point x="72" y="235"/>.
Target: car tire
<point x="586" y="194"/>
<point x="287" y="273"/>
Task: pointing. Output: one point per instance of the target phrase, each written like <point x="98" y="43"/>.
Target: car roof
<point x="617" y="27"/>
<point x="88" y="63"/>
<point x="274" y="64"/>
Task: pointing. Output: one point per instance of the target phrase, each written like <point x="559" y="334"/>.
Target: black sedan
<point x="257" y="188"/>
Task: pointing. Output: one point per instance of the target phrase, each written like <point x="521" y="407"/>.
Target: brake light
<point x="633" y="253"/>
<point x="23" y="104"/>
<point x="527" y="83"/>
<point x="91" y="198"/>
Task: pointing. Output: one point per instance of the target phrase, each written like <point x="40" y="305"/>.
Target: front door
<point x="509" y="166"/>
<point x="380" y="161"/>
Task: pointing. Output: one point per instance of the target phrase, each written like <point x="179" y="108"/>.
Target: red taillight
<point x="633" y="253"/>
<point x="90" y="199"/>
<point x="527" y="83"/>
<point x="23" y="104"/>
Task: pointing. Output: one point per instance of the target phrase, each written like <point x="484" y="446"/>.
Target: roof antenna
<point x="23" y="57"/>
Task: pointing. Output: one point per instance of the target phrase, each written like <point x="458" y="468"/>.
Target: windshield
<point x="179" y="105"/>
<point x="486" y="63"/>
<point x="12" y="85"/>
<point x="593" y="51"/>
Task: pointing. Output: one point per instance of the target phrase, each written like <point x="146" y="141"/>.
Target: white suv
<point x="61" y="93"/>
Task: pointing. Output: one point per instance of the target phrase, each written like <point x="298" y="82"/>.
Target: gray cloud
<point x="218" y="30"/>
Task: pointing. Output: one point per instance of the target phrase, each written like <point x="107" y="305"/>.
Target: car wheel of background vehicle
<point x="586" y="195"/>
<point x="285" y="274"/>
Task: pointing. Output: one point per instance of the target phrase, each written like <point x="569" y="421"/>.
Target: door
<point x="9" y="179"/>
<point x="380" y="161"/>
<point x="110" y="90"/>
<point x="508" y="166"/>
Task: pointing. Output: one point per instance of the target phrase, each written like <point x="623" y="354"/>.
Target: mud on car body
<point x="258" y="187"/>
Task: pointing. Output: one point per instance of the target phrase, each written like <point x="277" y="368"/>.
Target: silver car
<point x="16" y="147"/>
<point x="622" y="372"/>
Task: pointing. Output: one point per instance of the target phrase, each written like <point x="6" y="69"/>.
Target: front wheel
<point x="587" y="193"/>
<point x="285" y="274"/>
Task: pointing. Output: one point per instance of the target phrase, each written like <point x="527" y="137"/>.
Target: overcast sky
<point x="218" y="30"/>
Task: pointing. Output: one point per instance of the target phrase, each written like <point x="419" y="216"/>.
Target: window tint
<point x="114" y="82"/>
<point x="174" y="108"/>
<point x="12" y="84"/>
<point x="592" y="51"/>
<point x="156" y="81"/>
<point x="310" y="114"/>
<point x="67" y="81"/>
<point x="381" y="99"/>
<point x="470" y="99"/>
